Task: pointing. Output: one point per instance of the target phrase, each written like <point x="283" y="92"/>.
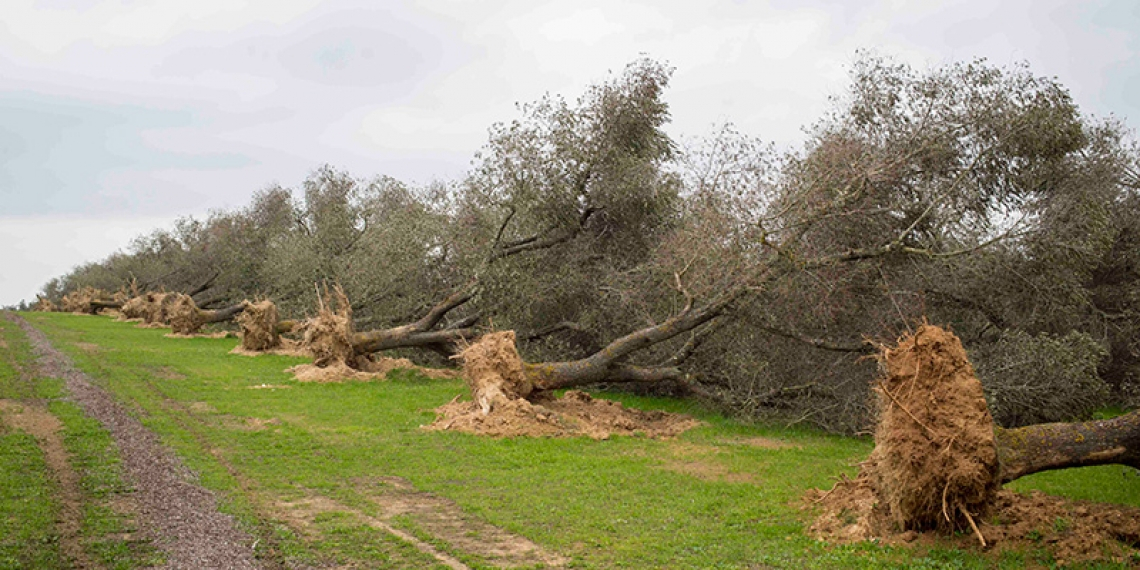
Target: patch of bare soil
<point x="173" y="509"/>
<point x="285" y="347"/>
<point x="219" y="334"/>
<point x="44" y="427"/>
<point x="934" y="470"/>
<point x="269" y="387"/>
<point x="576" y="413"/>
<point x="438" y="517"/>
<point x="700" y="461"/>
<point x="373" y="367"/>
<point x="760" y="442"/>
<point x="1072" y="531"/>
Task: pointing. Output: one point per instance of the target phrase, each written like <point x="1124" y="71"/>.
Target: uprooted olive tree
<point x="939" y="461"/>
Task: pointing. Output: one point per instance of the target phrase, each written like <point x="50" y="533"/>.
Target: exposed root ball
<point x="258" y="322"/>
<point x="184" y="316"/>
<point x="134" y="308"/>
<point x="79" y="301"/>
<point x="493" y="370"/>
<point x="328" y="336"/>
<point x="156" y="311"/>
<point x="500" y="388"/>
<point x="44" y="304"/>
<point x="935" y="463"/>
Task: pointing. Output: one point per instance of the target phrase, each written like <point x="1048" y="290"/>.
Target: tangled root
<point x="79" y="301"/>
<point x="156" y="308"/>
<point x="134" y="309"/>
<point x="494" y="372"/>
<point x="505" y="403"/>
<point x="183" y="314"/>
<point x="935" y="463"/>
<point x="258" y="322"/>
<point x="328" y="336"/>
<point x="44" y="304"/>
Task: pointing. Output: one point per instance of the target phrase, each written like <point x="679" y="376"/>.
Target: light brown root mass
<point x="134" y="309"/>
<point x="183" y="314"/>
<point x="935" y="462"/>
<point x="328" y="336"/>
<point x="44" y="304"/>
<point x="79" y="301"/>
<point x="506" y="405"/>
<point x="156" y="309"/>
<point x="935" y="466"/>
<point x="258" y="322"/>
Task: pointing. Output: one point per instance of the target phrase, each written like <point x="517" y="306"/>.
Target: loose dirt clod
<point x="258" y="322"/>
<point x="935" y="468"/>
<point x="506" y="405"/>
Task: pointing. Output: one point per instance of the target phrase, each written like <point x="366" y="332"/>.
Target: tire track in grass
<point x="36" y="421"/>
<point x="181" y="514"/>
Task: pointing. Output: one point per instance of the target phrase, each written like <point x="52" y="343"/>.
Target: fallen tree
<point x="939" y="462"/>
<point x="332" y="338"/>
<point x="186" y="318"/>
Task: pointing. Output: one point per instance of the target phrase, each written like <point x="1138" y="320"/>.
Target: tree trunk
<point x="1044" y="447"/>
<point x="420" y="334"/>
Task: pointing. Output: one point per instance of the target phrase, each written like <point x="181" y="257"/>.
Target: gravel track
<point x="177" y="513"/>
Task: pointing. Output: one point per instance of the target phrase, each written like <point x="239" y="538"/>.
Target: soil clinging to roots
<point x="506" y="405"/>
<point x="183" y="314"/>
<point x="328" y="336"/>
<point x="258" y="322"/>
<point x="134" y="309"/>
<point x="935" y="463"/>
<point x="935" y="468"/>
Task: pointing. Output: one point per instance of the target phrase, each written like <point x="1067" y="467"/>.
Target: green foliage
<point x="1042" y="378"/>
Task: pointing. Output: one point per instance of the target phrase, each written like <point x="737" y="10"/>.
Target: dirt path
<point x="35" y="420"/>
<point x="179" y="514"/>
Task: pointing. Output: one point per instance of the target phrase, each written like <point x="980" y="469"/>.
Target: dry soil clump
<point x="506" y="405"/>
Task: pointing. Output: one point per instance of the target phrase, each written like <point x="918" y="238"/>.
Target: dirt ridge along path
<point x="181" y="515"/>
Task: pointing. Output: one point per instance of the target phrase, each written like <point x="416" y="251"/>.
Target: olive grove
<point x="970" y="195"/>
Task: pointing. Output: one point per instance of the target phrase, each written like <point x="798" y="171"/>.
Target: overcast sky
<point x="118" y="116"/>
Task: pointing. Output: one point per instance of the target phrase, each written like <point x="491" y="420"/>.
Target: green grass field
<point x="307" y="468"/>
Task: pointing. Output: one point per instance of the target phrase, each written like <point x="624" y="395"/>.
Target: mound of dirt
<point x="285" y="347"/>
<point x="258" y="322"/>
<point x="935" y="469"/>
<point x="574" y="414"/>
<point x="505" y="404"/>
<point x="373" y="367"/>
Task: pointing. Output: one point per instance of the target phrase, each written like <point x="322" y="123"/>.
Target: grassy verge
<point x="726" y="495"/>
<point x="29" y="508"/>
